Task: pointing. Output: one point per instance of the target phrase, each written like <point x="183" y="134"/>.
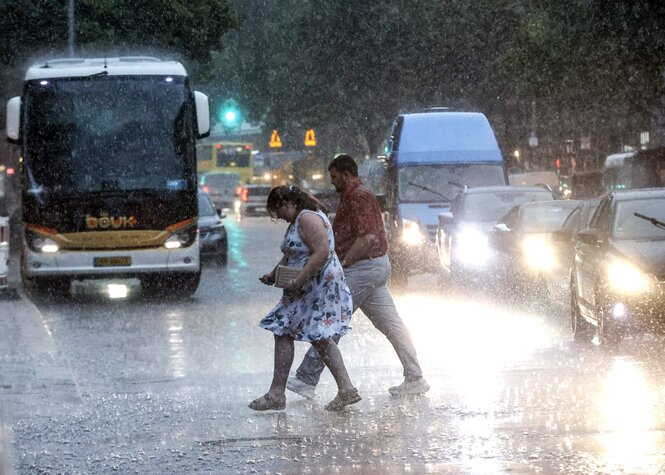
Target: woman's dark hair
<point x="300" y="199"/>
<point x="344" y="163"/>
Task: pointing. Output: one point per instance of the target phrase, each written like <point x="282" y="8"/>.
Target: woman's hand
<point x="293" y="288"/>
<point x="268" y="279"/>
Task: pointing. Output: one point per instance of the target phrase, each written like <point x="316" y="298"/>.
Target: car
<point x="618" y="278"/>
<point x="564" y="239"/>
<point x="329" y="198"/>
<point x="252" y="201"/>
<point x="461" y="241"/>
<point x="223" y="188"/>
<point x="522" y="240"/>
<point x="213" y="239"/>
<point x="545" y="178"/>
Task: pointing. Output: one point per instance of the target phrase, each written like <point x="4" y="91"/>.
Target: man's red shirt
<point x="358" y="214"/>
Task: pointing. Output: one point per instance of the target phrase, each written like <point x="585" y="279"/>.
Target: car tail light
<point x="245" y="195"/>
<point x="206" y="189"/>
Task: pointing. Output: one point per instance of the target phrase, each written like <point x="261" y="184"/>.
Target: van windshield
<point x="439" y="183"/>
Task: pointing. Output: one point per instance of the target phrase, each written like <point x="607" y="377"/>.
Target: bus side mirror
<point x="202" y="114"/>
<point x="13" y="119"/>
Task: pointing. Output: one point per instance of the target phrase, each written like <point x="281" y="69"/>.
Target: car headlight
<point x="182" y="238"/>
<point x="472" y="246"/>
<point x="39" y="243"/>
<point x="625" y="278"/>
<point x="538" y="253"/>
<point x="411" y="233"/>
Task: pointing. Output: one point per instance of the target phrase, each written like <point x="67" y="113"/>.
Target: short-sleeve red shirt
<point x="358" y="214"/>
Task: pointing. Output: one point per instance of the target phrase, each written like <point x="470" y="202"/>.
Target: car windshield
<point x="205" y="206"/>
<point x="491" y="206"/>
<point x="259" y="190"/>
<point x="546" y="218"/>
<point x="80" y="138"/>
<point x="437" y="183"/>
<point x="628" y="226"/>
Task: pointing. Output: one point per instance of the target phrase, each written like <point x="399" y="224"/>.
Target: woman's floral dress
<point x="325" y="308"/>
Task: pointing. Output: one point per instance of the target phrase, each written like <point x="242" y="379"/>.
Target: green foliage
<point x="190" y="29"/>
<point x="347" y="68"/>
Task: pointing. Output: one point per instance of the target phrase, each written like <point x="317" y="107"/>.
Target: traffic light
<point x="228" y="114"/>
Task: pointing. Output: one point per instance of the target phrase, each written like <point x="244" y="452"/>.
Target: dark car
<point x="618" y="278"/>
<point x="462" y="235"/>
<point x="523" y="242"/>
<point x="563" y="244"/>
<point x="213" y="240"/>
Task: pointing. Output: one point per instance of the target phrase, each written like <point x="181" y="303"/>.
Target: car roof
<point x="638" y="193"/>
<point x="254" y="185"/>
<point x="553" y="203"/>
<point x="504" y="188"/>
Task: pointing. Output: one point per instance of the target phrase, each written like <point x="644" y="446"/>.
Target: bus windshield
<point x="108" y="133"/>
<point x="233" y="155"/>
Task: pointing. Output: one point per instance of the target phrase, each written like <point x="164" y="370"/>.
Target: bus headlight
<point x="625" y="278"/>
<point x="411" y="233"/>
<point x="38" y="243"/>
<point x="182" y="238"/>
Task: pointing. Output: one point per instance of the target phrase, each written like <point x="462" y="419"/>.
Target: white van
<point x="431" y="156"/>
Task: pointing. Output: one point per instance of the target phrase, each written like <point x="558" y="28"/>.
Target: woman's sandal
<point x="342" y="400"/>
<point x="268" y="403"/>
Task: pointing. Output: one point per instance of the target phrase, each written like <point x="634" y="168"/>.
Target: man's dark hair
<point x="344" y="163"/>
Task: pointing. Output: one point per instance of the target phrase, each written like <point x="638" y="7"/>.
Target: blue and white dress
<point x="325" y="308"/>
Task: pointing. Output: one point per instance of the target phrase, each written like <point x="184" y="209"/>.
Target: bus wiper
<point x="656" y="222"/>
<point x="98" y="75"/>
<point x="427" y="188"/>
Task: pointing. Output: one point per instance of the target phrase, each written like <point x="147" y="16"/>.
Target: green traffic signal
<point x="229" y="114"/>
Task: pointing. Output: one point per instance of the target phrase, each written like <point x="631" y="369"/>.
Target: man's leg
<point x="309" y="371"/>
<point x="380" y="308"/>
<point x="360" y="277"/>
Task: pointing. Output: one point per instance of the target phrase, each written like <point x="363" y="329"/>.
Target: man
<point x="361" y="245"/>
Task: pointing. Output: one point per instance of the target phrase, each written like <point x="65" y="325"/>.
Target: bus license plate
<point x="119" y="261"/>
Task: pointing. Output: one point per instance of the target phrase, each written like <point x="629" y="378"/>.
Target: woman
<point x="316" y="304"/>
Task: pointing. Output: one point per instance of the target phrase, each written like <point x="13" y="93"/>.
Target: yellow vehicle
<point x="231" y="157"/>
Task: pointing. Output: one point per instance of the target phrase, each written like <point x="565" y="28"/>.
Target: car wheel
<point x="582" y="330"/>
<point x="609" y="335"/>
<point x="223" y="256"/>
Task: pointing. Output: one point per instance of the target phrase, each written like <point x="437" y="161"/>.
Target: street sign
<point x="533" y="140"/>
<point x="275" y="141"/>
<point x="585" y="142"/>
<point x="310" y="138"/>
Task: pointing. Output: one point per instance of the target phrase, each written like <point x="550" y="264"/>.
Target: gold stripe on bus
<point x="111" y="239"/>
<point x="181" y="225"/>
<point x="43" y="230"/>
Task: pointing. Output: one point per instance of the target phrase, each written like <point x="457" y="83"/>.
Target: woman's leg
<point x="332" y="357"/>
<point x="284" y="351"/>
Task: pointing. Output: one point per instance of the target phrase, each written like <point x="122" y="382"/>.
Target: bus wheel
<point x="177" y="285"/>
<point x="52" y="287"/>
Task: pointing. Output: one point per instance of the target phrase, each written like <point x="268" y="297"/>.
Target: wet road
<point x="94" y="385"/>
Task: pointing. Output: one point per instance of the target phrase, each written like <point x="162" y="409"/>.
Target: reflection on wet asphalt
<point x="147" y="385"/>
